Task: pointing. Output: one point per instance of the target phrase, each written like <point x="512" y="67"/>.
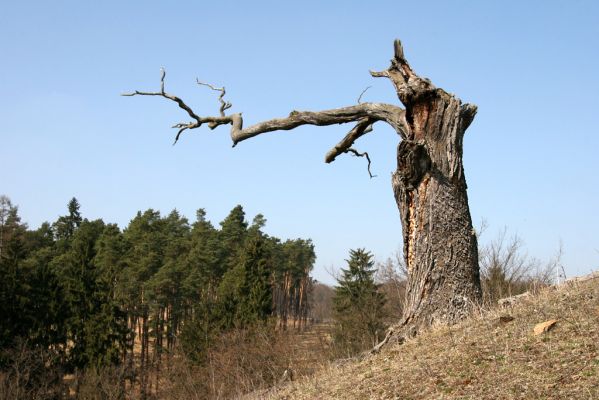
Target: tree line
<point x="91" y="294"/>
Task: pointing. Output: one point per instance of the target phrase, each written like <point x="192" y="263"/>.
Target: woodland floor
<point x="490" y="356"/>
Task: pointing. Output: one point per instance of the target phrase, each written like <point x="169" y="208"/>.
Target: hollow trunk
<point x="440" y="246"/>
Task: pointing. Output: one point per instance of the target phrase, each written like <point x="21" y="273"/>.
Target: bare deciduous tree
<point x="507" y="270"/>
<point x="440" y="246"/>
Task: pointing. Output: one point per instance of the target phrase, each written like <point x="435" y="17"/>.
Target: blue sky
<point x="530" y="155"/>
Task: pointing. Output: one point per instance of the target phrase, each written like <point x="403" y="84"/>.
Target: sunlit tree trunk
<point x="440" y="247"/>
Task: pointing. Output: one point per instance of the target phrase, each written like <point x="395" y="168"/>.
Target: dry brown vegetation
<point x="493" y="355"/>
<point x="507" y="270"/>
<point x="246" y="361"/>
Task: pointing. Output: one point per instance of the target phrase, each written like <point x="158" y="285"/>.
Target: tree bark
<point x="440" y="247"/>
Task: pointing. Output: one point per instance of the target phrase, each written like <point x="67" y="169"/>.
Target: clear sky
<point x="531" y="154"/>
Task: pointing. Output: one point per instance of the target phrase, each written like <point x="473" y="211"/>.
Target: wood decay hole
<point x="413" y="162"/>
<point x="411" y="236"/>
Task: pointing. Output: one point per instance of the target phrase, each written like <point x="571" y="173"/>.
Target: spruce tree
<point x="357" y="305"/>
<point x="232" y="237"/>
<point x="202" y="260"/>
<point x="14" y="287"/>
<point x="245" y="292"/>
<point x="95" y="324"/>
<point x="66" y="225"/>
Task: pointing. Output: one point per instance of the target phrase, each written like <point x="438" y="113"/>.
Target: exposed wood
<point x="440" y="248"/>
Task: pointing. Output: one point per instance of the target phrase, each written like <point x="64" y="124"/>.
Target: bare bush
<point x="507" y="269"/>
<point x="321" y="303"/>
<point x="391" y="277"/>
<point x="242" y="361"/>
<point x="105" y="383"/>
<point x="30" y="374"/>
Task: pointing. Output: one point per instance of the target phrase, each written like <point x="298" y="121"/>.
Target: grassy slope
<point x="482" y="358"/>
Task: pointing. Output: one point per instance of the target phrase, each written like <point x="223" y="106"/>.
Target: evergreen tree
<point x="233" y="227"/>
<point x="358" y="305"/>
<point x="202" y="261"/>
<point x="6" y="211"/>
<point x="165" y="288"/>
<point x="232" y="237"/>
<point x="31" y="300"/>
<point x="256" y="304"/>
<point x="245" y="292"/>
<point x="95" y="324"/>
<point x="14" y="285"/>
<point x="47" y="310"/>
<point x="66" y="225"/>
<point x="144" y="257"/>
<point x="145" y="242"/>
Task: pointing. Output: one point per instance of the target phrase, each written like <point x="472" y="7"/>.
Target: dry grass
<point x="481" y="358"/>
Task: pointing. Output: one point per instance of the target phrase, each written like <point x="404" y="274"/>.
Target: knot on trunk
<point x="413" y="162"/>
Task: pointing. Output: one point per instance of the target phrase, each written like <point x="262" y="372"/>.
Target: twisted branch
<point x="224" y="105"/>
<point x="393" y="115"/>
<point x="362" y="94"/>
<point x="364" y="114"/>
<point x="362" y="127"/>
<point x="181" y="103"/>
<point x="364" y="154"/>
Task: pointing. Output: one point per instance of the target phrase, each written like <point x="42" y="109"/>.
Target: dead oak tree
<point x="440" y="246"/>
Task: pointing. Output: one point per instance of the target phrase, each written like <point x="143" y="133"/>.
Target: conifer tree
<point x="95" y="324"/>
<point x="257" y="291"/>
<point x="14" y="299"/>
<point x="358" y="305"/>
<point x="31" y="299"/>
<point x="232" y="236"/>
<point x="66" y="225"/>
<point x="202" y="261"/>
<point x="245" y="292"/>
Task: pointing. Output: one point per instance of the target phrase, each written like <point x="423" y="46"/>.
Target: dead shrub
<point x="30" y="374"/>
<point x="242" y="361"/>
<point x="105" y="383"/>
<point x="392" y="277"/>
<point x="507" y="270"/>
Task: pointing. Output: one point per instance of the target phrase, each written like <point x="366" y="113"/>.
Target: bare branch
<point x="183" y="127"/>
<point x="364" y="113"/>
<point x="362" y="94"/>
<point x="379" y="74"/>
<point x="467" y="112"/>
<point x="362" y="127"/>
<point x="212" y="122"/>
<point x="364" y="154"/>
<point x="162" y="93"/>
<point x="393" y="115"/>
<point x="224" y="105"/>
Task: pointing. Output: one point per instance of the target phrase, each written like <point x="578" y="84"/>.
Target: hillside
<point x="489" y="356"/>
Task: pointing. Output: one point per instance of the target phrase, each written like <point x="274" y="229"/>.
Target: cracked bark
<point x="440" y="248"/>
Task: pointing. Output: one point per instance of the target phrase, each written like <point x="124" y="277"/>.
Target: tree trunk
<point x="440" y="249"/>
<point x="440" y="246"/>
